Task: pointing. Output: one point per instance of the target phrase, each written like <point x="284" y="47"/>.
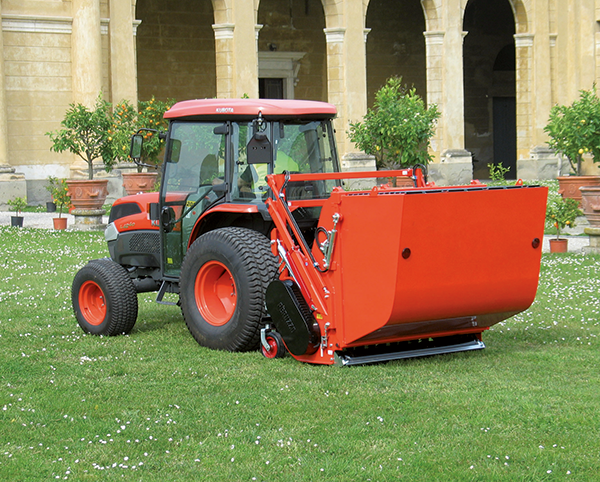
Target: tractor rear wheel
<point x="104" y="298"/>
<point x="224" y="277"/>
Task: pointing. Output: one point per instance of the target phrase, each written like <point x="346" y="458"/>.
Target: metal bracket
<point x="324" y="338"/>
<point x="328" y="244"/>
<point x="263" y="337"/>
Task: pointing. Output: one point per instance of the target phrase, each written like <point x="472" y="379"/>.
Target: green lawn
<point x="155" y="406"/>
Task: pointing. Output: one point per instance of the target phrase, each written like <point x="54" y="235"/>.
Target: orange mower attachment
<point x="400" y="272"/>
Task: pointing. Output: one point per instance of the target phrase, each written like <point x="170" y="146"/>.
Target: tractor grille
<point x="145" y="243"/>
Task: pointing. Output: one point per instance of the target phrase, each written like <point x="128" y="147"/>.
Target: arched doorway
<point x="489" y="86"/>
<point x="292" y="56"/>
<point x="175" y="50"/>
<point x="395" y="45"/>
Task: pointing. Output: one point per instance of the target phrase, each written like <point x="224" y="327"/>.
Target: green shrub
<point x="397" y="129"/>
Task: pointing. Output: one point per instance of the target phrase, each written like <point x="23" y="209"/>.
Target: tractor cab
<point x="215" y="170"/>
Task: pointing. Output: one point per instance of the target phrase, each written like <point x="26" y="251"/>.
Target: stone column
<point x="86" y="51"/>
<point x="236" y="52"/>
<point x="453" y="96"/>
<point x="86" y="62"/>
<point x="122" y="52"/>
<point x="523" y="61"/>
<point x="335" y="82"/>
<point x="434" y="58"/>
<point x="3" y="125"/>
<point x="347" y="70"/>
<point x="535" y="160"/>
<point x="224" y="59"/>
<point x="445" y="87"/>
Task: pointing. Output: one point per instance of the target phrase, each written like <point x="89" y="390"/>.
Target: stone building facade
<point x="493" y="67"/>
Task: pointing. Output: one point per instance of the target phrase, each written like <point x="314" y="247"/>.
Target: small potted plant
<point x="60" y="194"/>
<point x="561" y="213"/>
<point x="17" y="205"/>
<point x="397" y="129"/>
<point x="85" y="132"/>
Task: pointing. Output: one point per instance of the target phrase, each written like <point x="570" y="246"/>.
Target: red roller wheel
<point x="276" y="345"/>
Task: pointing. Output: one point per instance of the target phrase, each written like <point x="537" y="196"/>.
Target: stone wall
<point x="175" y="50"/>
<point x="38" y="91"/>
<point x="395" y="45"/>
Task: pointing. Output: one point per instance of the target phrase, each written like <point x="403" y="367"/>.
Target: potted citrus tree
<point x="60" y="195"/>
<point x="561" y="213"/>
<point x="126" y="122"/>
<point x="17" y="205"/>
<point x="397" y="129"/>
<point x="85" y="132"/>
<point x="574" y="131"/>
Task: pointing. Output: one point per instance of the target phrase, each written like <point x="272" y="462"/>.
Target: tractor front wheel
<point x="224" y="277"/>
<point x="104" y="298"/>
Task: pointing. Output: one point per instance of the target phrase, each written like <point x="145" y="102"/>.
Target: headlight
<point x="111" y="233"/>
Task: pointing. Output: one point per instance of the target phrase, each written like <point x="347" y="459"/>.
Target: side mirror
<point x="135" y="149"/>
<point x="154" y="212"/>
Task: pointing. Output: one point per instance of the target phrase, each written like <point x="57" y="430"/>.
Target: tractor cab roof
<point x="231" y="109"/>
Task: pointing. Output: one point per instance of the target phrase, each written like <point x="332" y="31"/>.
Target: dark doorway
<point x="490" y="85"/>
<point x="505" y="133"/>
<point x="270" y="88"/>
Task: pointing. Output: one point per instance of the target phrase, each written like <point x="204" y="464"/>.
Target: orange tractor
<point x="269" y="245"/>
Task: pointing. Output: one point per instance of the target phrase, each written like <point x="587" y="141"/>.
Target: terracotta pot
<point x="60" y="223"/>
<point x="136" y="182"/>
<point x="88" y="194"/>
<point x="590" y="204"/>
<point x="568" y="186"/>
<point x="559" y="245"/>
<point x="402" y="181"/>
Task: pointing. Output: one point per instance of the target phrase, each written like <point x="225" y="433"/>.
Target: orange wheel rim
<point x="92" y="303"/>
<point x="215" y="292"/>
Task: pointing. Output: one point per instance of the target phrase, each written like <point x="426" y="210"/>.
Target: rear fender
<point x="230" y="215"/>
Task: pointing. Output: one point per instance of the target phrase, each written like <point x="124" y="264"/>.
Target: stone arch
<point x="520" y="14"/>
<point x="431" y="10"/>
<point x="333" y="13"/>
<point x="222" y="11"/>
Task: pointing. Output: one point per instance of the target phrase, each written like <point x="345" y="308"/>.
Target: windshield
<point x="298" y="147"/>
